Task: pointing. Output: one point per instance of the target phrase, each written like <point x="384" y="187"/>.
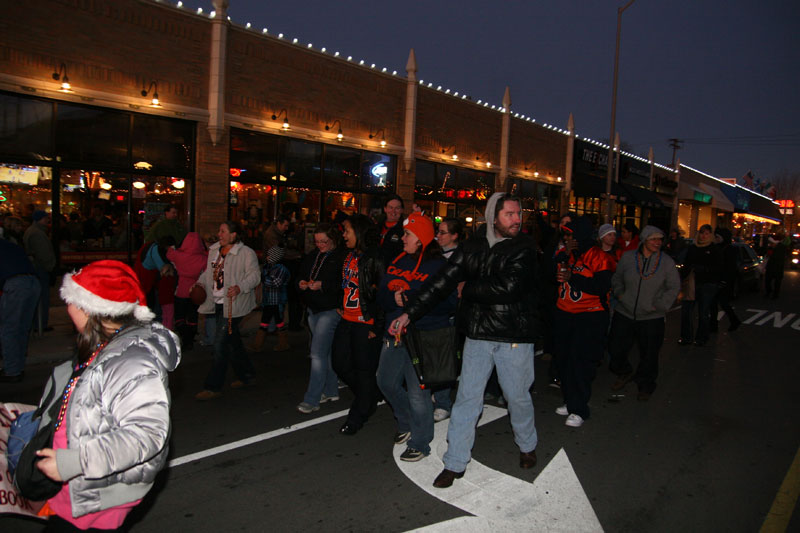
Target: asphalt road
<point x="708" y="452"/>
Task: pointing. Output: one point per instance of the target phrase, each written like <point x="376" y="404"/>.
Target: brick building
<point x="169" y="107"/>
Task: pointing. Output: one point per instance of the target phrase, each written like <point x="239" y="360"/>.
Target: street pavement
<point x="708" y="452"/>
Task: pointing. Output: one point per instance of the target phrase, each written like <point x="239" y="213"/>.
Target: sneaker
<point x="239" y="384"/>
<point x="440" y="414"/>
<point x="325" y="398"/>
<point x="207" y="395"/>
<point x="411" y="455"/>
<point x="562" y="410"/>
<point x="401" y="437"/>
<point x="306" y="408"/>
<point x="574" y="421"/>
<point x="555" y="383"/>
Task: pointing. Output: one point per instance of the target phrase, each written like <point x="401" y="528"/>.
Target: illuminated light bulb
<point x="438" y="87"/>
<point x="488" y="164"/>
<point x="492" y="107"/>
<point x="199" y="10"/>
<point x="535" y="174"/>
<point x="349" y="58"/>
<point x="339" y="136"/>
<point x="455" y="157"/>
<point x="383" y="143"/>
<point x="66" y="87"/>
<point x="430" y="84"/>
<point x="394" y="73"/>
<point x="285" y="124"/>
<point x="468" y="220"/>
<point x="280" y="36"/>
<point x="180" y="4"/>
<point x="480" y="102"/>
<point x="264" y="30"/>
<point x="310" y="45"/>
<point x="323" y="49"/>
<point x="558" y="178"/>
<point x="383" y="69"/>
<point x="105" y="185"/>
<point x="336" y="54"/>
<point x="455" y="93"/>
<point x="372" y="65"/>
<point x="361" y="62"/>
<point x="212" y="14"/>
<point x="422" y="82"/>
<point x="138" y="185"/>
<point x="294" y="41"/>
<point x="179" y="184"/>
<point x="154" y="102"/>
<point x="247" y="25"/>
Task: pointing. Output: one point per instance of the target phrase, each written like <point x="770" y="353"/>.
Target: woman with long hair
<point x="230" y="279"/>
<point x="320" y="287"/>
<point x="112" y="424"/>
<point x="356" y="343"/>
<point x="420" y="260"/>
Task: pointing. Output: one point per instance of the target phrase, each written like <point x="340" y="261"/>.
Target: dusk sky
<point x="722" y="75"/>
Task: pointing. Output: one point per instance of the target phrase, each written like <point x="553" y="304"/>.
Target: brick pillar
<point x="211" y="187"/>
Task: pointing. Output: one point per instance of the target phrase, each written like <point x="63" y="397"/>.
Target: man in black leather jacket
<point x="495" y="272"/>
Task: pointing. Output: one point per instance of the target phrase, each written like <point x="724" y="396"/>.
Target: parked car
<point x="750" y="267"/>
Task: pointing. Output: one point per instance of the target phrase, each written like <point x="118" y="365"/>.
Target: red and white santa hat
<point x="106" y="288"/>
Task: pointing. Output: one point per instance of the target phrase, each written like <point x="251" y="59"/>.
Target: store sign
<point x="702" y="197"/>
<point x="785" y="204"/>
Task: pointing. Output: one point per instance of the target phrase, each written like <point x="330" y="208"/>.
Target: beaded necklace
<point x="347" y="273"/>
<point x="318" y="262"/>
<point x="640" y="270"/>
<point x="79" y="368"/>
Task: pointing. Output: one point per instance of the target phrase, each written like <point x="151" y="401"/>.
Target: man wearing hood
<point x="499" y="317"/>
<point x="645" y="285"/>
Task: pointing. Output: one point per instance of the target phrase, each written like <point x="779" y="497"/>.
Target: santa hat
<point x="422" y="228"/>
<point x="106" y="288"/>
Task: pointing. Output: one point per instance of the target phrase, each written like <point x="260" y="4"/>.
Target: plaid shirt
<point x="274" y="280"/>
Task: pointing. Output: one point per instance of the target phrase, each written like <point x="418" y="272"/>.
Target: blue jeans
<point x="228" y="347"/>
<point x="17" y="308"/>
<point x="323" y="379"/>
<point x="441" y="399"/>
<point x="514" y="362"/>
<point x="704" y="297"/>
<point x="211" y="329"/>
<point x="412" y="406"/>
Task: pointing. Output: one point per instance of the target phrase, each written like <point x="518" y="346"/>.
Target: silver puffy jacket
<point x="118" y="423"/>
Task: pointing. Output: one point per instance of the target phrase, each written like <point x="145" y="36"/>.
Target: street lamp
<point x="609" y="174"/>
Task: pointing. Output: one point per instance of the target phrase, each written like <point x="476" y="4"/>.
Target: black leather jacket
<point x="500" y="298"/>
<point x="370" y="271"/>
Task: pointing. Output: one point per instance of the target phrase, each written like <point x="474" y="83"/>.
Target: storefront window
<point x="95" y="222"/>
<point x="92" y="135"/>
<point x="342" y="168"/>
<point x="25" y="127"/>
<point x="302" y="163"/>
<point x="162" y="145"/>
<point x="25" y="189"/>
<point x="254" y="157"/>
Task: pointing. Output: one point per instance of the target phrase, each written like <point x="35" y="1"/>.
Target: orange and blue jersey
<point x="351" y="304"/>
<point x="587" y="289"/>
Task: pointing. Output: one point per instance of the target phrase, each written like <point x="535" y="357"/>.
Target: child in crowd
<point x="274" y="281"/>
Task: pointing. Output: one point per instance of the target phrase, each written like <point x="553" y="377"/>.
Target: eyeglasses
<point x="441" y="232"/>
<point x="322" y="241"/>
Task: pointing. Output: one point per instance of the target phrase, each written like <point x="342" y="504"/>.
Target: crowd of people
<point x="570" y="289"/>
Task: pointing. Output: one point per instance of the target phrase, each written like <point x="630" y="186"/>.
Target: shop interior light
<point x="468" y="220"/>
<point x="285" y="114"/>
<point x="178" y="183"/>
<point x="340" y="135"/>
<point x="154" y="88"/>
<point x="61" y="74"/>
<point x="105" y="185"/>
<point x="138" y="184"/>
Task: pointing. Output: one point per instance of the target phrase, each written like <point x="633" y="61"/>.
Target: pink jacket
<point x="190" y="262"/>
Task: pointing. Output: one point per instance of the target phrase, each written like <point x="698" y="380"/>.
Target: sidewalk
<point x="59" y="345"/>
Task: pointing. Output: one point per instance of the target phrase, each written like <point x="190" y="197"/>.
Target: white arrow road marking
<point x="555" y="501"/>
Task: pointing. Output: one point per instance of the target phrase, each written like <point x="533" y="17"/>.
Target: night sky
<point x="724" y="75"/>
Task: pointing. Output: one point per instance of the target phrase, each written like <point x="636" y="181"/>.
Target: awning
<point x="693" y="194"/>
<point x="718" y="198"/>
<point x="586" y="186"/>
<point x="764" y="207"/>
<point x="643" y="197"/>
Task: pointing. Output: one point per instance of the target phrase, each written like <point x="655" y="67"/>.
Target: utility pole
<point x="675" y="144"/>
<point x="609" y="218"/>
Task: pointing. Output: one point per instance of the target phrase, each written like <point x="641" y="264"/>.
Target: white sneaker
<point x="574" y="421"/>
<point x="324" y="398"/>
<point x="562" y="410"/>
<point x="440" y="414"/>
